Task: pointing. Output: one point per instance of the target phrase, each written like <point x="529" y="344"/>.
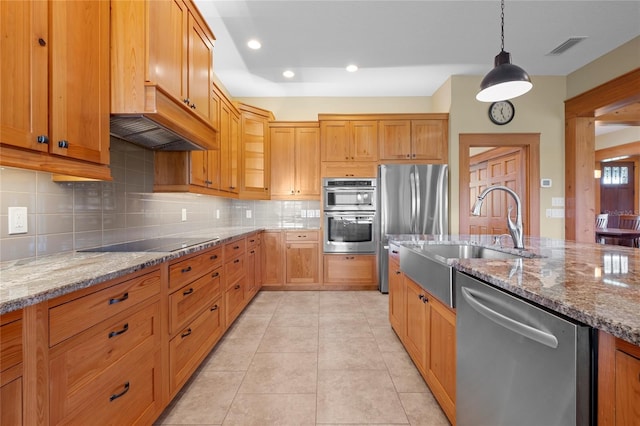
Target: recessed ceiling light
<point x="254" y="44"/>
<point x="352" y="68"/>
<point x="288" y="74"/>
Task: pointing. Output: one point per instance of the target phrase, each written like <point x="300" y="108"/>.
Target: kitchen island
<point x="595" y="285"/>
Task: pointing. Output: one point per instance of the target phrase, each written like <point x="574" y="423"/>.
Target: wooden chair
<point x="601" y="222"/>
<point x="630" y="221"/>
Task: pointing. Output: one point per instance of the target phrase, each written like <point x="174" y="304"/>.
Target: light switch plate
<point x="17" y="220"/>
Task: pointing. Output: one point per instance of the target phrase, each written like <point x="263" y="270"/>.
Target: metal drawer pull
<point x="252" y="252"/>
<point x="188" y="292"/>
<point x="118" y="395"/>
<point x="121" y="299"/>
<point x="236" y="261"/>
<point x="394" y="251"/>
<point x="237" y="287"/>
<point x="398" y="272"/>
<point x="214" y="308"/>
<point x="525" y="330"/>
<point x="187" y="269"/>
<point x="119" y="332"/>
<point x="63" y="144"/>
<point x="214" y="257"/>
<point x="215" y="275"/>
<point x="251" y="241"/>
<point x="186" y="333"/>
<point x="236" y="247"/>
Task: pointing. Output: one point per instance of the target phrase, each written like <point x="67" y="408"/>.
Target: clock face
<point x="501" y="112"/>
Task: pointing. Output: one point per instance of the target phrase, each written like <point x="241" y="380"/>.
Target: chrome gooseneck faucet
<point x="515" y="229"/>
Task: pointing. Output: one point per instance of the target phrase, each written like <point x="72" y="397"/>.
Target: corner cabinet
<point x="58" y="53"/>
<point x="255" y="164"/>
<point x="295" y="160"/>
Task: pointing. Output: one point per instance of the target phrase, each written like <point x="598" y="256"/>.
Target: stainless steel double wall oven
<point x="349" y="215"/>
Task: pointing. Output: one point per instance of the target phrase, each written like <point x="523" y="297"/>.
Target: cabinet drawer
<point x="80" y="314"/>
<point x="109" y="373"/>
<point x="349" y="269"/>
<point x="235" y="249"/>
<point x="185" y="271"/>
<point x="302" y="235"/>
<point x="394" y="253"/>
<point x="343" y="169"/>
<point x="234" y="270"/>
<point x="234" y="302"/>
<point x="10" y="344"/>
<point x="193" y="298"/>
<point x="193" y="343"/>
<point x="253" y="240"/>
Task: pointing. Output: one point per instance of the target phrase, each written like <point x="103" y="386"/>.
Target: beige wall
<point x="539" y="111"/>
<point x="620" y="137"/>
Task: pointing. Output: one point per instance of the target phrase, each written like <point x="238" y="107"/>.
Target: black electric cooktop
<point x="153" y="244"/>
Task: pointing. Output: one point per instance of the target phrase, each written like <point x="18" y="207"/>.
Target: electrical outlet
<point x="184" y="215"/>
<point x="17" y="220"/>
<point x="248" y="214"/>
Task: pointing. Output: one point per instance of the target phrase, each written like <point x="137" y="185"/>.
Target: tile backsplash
<point x="67" y="216"/>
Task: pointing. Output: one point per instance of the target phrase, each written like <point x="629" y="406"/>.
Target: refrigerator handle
<point x="418" y="229"/>
<point x="412" y="178"/>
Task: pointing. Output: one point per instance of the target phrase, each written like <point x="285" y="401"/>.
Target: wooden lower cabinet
<point x="350" y="271"/>
<point x="302" y="257"/>
<point x="273" y="258"/>
<point x="427" y="329"/>
<point x="11" y="382"/>
<point x="618" y="381"/>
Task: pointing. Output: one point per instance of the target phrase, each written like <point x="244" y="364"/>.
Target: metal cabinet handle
<point x="188" y="292"/>
<point x="185" y="270"/>
<point x="213" y="257"/>
<point x="394" y="251"/>
<point x="41" y="42"/>
<point x="525" y="330"/>
<point x="193" y="106"/>
<point x="236" y="261"/>
<point x="120" y="299"/>
<point x="186" y="333"/>
<point x="119" y="332"/>
<point x="215" y="275"/>
<point x="236" y="247"/>
<point x="398" y="272"/>
<point x="237" y="287"/>
<point x="42" y="139"/>
<point x="214" y="308"/>
<point x="118" y="395"/>
<point x="186" y="101"/>
<point x="63" y="144"/>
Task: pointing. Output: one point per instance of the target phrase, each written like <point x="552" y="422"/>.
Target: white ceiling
<point x="402" y="48"/>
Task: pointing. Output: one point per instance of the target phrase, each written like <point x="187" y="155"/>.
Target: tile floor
<point x="308" y="358"/>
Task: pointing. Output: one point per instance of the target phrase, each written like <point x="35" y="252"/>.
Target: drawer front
<point x="234" y="270"/>
<point x="235" y="249"/>
<point x="185" y="271"/>
<point x="394" y="252"/>
<point x="82" y="360"/>
<point x="80" y="314"/>
<point x="192" y="299"/>
<point x="293" y="236"/>
<point x="253" y="240"/>
<point x="10" y="344"/>
<point x="193" y="343"/>
<point x="127" y="393"/>
<point x="234" y="302"/>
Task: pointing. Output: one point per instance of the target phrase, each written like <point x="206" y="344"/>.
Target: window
<point x="615" y="175"/>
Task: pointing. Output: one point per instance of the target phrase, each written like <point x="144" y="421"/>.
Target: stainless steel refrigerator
<point x="412" y="199"/>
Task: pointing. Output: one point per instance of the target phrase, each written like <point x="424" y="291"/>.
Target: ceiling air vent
<point x="566" y="45"/>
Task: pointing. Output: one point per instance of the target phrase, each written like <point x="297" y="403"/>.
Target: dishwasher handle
<point x="525" y="330"/>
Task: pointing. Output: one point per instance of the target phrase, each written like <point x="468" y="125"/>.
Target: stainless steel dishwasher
<point x="518" y="364"/>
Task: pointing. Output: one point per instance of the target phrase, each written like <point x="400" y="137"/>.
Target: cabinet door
<point x="272" y="258"/>
<point x="198" y="168"/>
<point x="258" y="266"/>
<point x="364" y="141"/>
<point x="395" y="139"/>
<point x="228" y="149"/>
<point x="396" y="299"/>
<point x="335" y="140"/>
<point x="429" y="140"/>
<point x="254" y="154"/>
<point x="24" y="45"/>
<point x="11" y="402"/>
<point x="307" y="162"/>
<point x="200" y="66"/>
<point x="250" y="265"/>
<point x="234" y="146"/>
<point x="441" y="364"/>
<point x="80" y="80"/>
<point x="302" y="263"/>
<point x="213" y="169"/>
<point x="342" y="269"/>
<point x="417" y="323"/>
<point x="283" y="156"/>
<point x="627" y="409"/>
<point x="167" y="31"/>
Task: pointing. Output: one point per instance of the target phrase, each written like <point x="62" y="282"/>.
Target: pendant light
<point x="505" y="80"/>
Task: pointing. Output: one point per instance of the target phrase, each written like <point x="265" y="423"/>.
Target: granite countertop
<point x="30" y="281"/>
<point x="598" y="285"/>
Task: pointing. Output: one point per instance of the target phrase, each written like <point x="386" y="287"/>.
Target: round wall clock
<point x="501" y="112"/>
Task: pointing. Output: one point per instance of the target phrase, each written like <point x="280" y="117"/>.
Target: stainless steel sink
<point x="427" y="265"/>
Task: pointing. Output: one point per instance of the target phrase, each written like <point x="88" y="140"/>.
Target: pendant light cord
<point x="502" y="26"/>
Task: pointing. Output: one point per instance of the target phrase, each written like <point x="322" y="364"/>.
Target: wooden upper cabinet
<point x="25" y="58"/>
<point x="423" y="140"/>
<point x="254" y="152"/>
<point x="295" y="163"/>
<point x="349" y="140"/>
<point x="200" y="66"/>
<point x="229" y="140"/>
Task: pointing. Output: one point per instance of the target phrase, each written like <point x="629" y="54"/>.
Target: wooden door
<point x="441" y="364"/>
<point x="429" y="140"/>
<point x="213" y="169"/>
<point x="200" y="66"/>
<point x="198" y="168"/>
<point x="234" y="147"/>
<point x="617" y="187"/>
<point x="307" y="162"/>
<point x="282" y="161"/>
<point x="335" y="140"/>
<point x="395" y="139"/>
<point x="167" y="32"/>
<point x="397" y="298"/>
<point x="273" y="258"/>
<point x="24" y="45"/>
<point x="417" y="324"/>
<point x="80" y="80"/>
<point x="302" y="263"/>
<point x="627" y="389"/>
<point x="506" y="168"/>
<point x="364" y="141"/>
<point x="254" y="153"/>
